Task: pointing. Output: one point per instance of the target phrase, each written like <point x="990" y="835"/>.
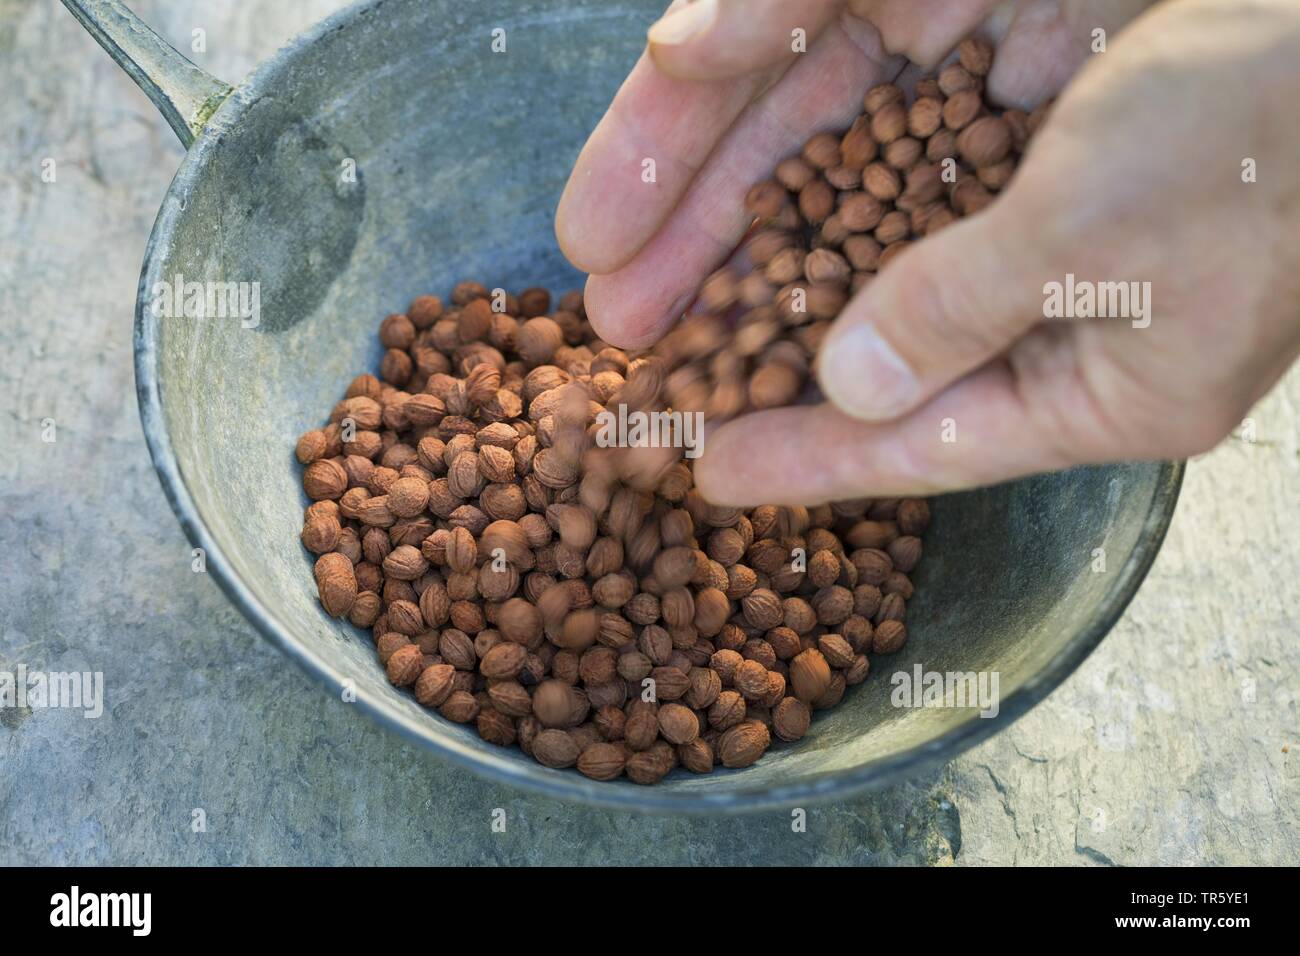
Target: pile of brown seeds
<point x="511" y="578"/>
<point x="587" y="603"/>
<point x="828" y="221"/>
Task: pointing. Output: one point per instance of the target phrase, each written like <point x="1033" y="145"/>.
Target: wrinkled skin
<point x="1137" y="175"/>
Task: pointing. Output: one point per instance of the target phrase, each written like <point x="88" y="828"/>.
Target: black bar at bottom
<point x="389" y="905"/>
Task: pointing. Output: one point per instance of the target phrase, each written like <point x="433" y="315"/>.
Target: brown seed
<point x="858" y="146"/>
<point x="750" y="679"/>
<point x="903" y="153"/>
<point x="577" y="527"/>
<point x="832" y="605"/>
<point x="816" y="201"/>
<point x="762" y="609"/>
<point x="857" y="671"/>
<point x="504" y="661"/>
<point x="976" y="54"/>
<point x="889" y="122"/>
<point x="791" y="718"/>
<point x="882" y="182"/>
<point x="646" y="768"/>
<point x="457" y="648"/>
<point x="641" y="728"/>
<point x="602" y="761"/>
<point x="520" y="622"/>
<point x="824" y="265"/>
<point x="405" y="665"/>
<point x="942" y="145"/>
<point x="893" y="229"/>
<point x="554" y="703"/>
<point x="727" y="711"/>
<point x="338" y="591"/>
<point x="743" y="744"/>
<point x="671" y="683"/>
<point x="961" y="109"/>
<point x="537" y="340"/>
<point x="774" y="385"/>
<point x="866" y="600"/>
<point x="696" y="756"/>
<point x="579" y="630"/>
<point x="460" y="708"/>
<point x="794" y="173"/>
<point x="871" y="534"/>
<point x="810" y="675"/>
<point x="955" y="78"/>
<point x="388" y="644"/>
<point x="834" y="692"/>
<point x="913" y="516"/>
<point x="555" y="748"/>
<point x="890" y="637"/>
<point x="405" y="563"/>
<point x="511" y="697"/>
<point x="712" y="608"/>
<point x="321" y="533"/>
<point x="880" y="96"/>
<point x="434" y="685"/>
<point x="998" y="175"/>
<point x="324" y="479"/>
<point x="496" y="464"/>
<point x="905" y="553"/>
<point x="678" y="724"/>
<point x="985" y="141"/>
<point x="765" y="199"/>
<point x="860" y="212"/>
<point x="404" y="617"/>
<point x="311" y="446"/>
<point x="837" y="651"/>
<point x="822" y="151"/>
<point x="674" y="567"/>
<point x="925" y="117"/>
<point x="893" y="607"/>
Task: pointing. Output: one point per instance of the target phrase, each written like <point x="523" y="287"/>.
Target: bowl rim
<point x="429" y="734"/>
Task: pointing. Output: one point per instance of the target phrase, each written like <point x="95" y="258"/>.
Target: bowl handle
<point x="185" y="95"/>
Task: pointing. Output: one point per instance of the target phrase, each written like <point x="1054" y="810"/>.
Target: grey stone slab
<point x="1167" y="746"/>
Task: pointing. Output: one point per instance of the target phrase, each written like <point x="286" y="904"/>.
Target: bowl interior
<point x="460" y="154"/>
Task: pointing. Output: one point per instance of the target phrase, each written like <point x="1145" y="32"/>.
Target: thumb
<point x="716" y="39"/>
<point x="944" y="307"/>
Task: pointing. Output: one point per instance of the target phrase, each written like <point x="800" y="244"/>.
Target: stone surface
<point x="1165" y="747"/>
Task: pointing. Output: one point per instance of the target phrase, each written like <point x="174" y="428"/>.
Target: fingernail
<point x="684" y="24"/>
<point x="862" y="374"/>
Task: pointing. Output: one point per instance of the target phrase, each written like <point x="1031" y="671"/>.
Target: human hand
<point x="1137" y="176"/>
<point x="717" y="111"/>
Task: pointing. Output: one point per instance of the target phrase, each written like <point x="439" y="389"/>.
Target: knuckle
<point x="943" y="314"/>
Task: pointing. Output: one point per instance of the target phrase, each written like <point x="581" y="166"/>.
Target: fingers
<point x="717" y="39"/>
<point x="1037" y="55"/>
<point x="977" y="432"/>
<point x="639" y="161"/>
<point x="942" y="308"/>
<point x="1042" y="46"/>
<point x="634" y="305"/>
<point x="925" y="31"/>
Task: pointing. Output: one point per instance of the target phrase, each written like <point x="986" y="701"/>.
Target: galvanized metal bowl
<point x="460" y="156"/>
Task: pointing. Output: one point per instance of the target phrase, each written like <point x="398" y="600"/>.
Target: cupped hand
<point x="654" y="203"/>
<point x="1168" y="160"/>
